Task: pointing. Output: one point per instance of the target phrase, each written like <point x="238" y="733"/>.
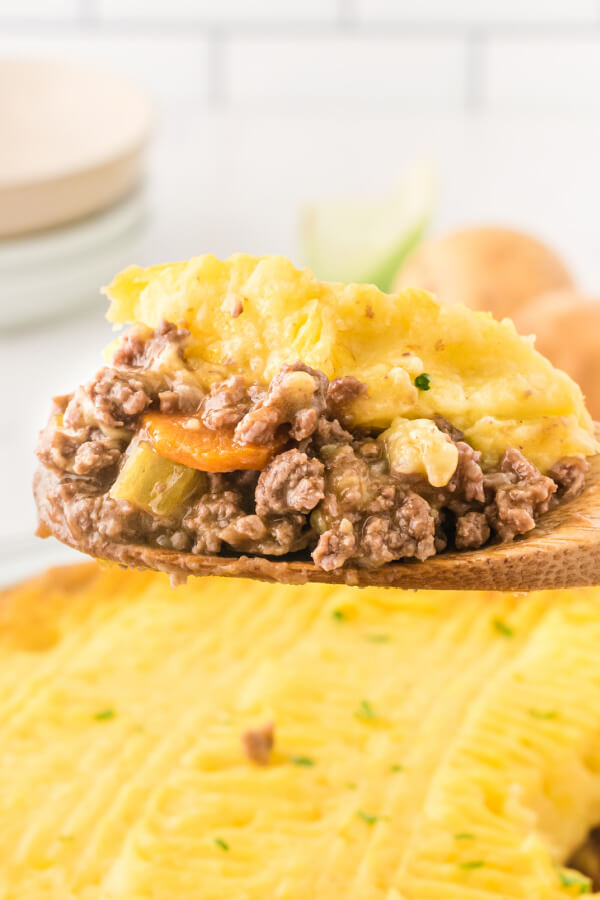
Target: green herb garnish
<point x="472" y="864"/>
<point x="365" y="712"/>
<point x="222" y="844"/>
<point x="66" y="837"/>
<point x="502" y="628"/>
<point x="303" y="761"/>
<point x="104" y="714"/>
<point x="545" y="714"/>
<point x="339" y="615"/>
<point x="378" y="638"/>
<point x="423" y="381"/>
<point x="397" y="767"/>
<point x="575" y="879"/>
<point x="369" y="819"/>
<point x="351" y="785"/>
<point x="464" y="836"/>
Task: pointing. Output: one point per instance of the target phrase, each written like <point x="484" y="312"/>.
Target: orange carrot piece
<point x="186" y="440"/>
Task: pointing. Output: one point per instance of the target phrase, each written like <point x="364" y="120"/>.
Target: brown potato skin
<point x="493" y="269"/>
<point x="567" y="329"/>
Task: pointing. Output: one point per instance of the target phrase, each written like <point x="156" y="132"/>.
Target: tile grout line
<point x="217" y="82"/>
<point x="346" y="17"/>
<point x="345" y="20"/>
<point x="474" y="70"/>
<point x="87" y="13"/>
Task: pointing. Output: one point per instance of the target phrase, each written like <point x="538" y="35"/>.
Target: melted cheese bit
<point x="418" y="447"/>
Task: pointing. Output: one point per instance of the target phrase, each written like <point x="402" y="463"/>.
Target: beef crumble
<point x="330" y="490"/>
<point x="258" y="743"/>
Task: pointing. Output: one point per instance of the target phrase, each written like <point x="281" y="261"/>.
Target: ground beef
<point x="329" y="490"/>
<point x="210" y="516"/>
<point x="409" y="531"/>
<point x="467" y="481"/>
<point x="220" y="518"/>
<point x="586" y="859"/>
<point x="335" y="547"/>
<point x="296" y="396"/>
<point x="141" y="345"/>
<point x="56" y="449"/>
<point x="291" y="483"/>
<point x="472" y="531"/>
<point x="257" y="743"/>
<point x="86" y="452"/>
<point x="369" y="450"/>
<point x="112" y="399"/>
<point x="226" y="404"/>
<point x="569" y="474"/>
<point x="448" y="428"/>
<point x="341" y="394"/>
<point x="96" y="455"/>
<point x="181" y="398"/>
<point x="327" y="432"/>
<point x="88" y="512"/>
<point x="348" y="485"/>
<point x="523" y="496"/>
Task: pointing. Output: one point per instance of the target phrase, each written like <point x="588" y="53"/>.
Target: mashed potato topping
<point x="249" y="316"/>
<point x="428" y="746"/>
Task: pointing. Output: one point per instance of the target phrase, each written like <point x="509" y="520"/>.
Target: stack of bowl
<point x="72" y="206"/>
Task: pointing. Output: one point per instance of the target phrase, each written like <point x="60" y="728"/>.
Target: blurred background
<point x="342" y="133"/>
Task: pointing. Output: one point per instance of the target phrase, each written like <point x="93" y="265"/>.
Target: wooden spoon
<point x="562" y="551"/>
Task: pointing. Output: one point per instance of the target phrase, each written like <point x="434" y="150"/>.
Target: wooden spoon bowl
<point x="562" y="551"/>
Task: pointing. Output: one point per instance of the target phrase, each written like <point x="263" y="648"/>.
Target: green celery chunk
<point x="154" y="483"/>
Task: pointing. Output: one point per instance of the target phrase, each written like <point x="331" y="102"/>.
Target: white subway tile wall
<point x="40" y="9"/>
<point x="173" y="69"/>
<point x="548" y="74"/>
<point x="439" y="54"/>
<point x="362" y="70"/>
<point x="484" y="12"/>
<point x="220" y="11"/>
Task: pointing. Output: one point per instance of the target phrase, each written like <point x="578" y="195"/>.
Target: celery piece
<point x="154" y="483"/>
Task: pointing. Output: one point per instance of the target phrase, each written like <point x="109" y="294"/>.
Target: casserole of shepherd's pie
<point x="236" y="740"/>
<point x="251" y="409"/>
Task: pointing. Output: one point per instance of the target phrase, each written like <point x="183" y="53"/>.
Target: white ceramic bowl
<point x="47" y="274"/>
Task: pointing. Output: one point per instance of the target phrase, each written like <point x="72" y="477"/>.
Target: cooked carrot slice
<point x="187" y="440"/>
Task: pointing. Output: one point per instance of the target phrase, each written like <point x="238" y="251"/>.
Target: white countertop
<point x="224" y="182"/>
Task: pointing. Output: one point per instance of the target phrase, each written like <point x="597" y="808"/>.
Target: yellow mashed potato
<point x="428" y="746"/>
<point x="250" y="315"/>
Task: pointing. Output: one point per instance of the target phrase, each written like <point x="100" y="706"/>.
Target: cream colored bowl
<point x="72" y="144"/>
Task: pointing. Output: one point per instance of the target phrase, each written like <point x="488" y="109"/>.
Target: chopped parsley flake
<point x="378" y="638"/>
<point x="339" y="615"/>
<point x="303" y="761"/>
<point x="104" y="714"/>
<point x="464" y="836"/>
<point x="502" y="628"/>
<point x="543" y="714"/>
<point x="575" y="879"/>
<point x="351" y="785"/>
<point x="472" y="864"/>
<point x="66" y="837"/>
<point x="365" y="712"/>
<point x="397" y="767"/>
<point x="423" y="381"/>
<point x="222" y="844"/>
<point x="369" y="819"/>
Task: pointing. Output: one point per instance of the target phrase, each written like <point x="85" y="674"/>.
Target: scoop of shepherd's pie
<point x="254" y="410"/>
